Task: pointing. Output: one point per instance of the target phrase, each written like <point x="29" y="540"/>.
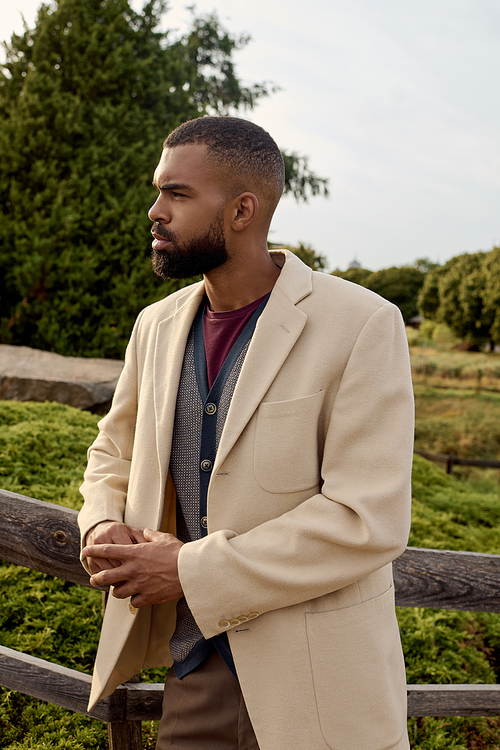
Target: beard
<point x="197" y="256"/>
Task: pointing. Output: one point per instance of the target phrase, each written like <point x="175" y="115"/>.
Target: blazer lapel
<point x="171" y="337"/>
<point x="277" y="330"/>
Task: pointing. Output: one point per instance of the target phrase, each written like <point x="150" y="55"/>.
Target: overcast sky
<point x="397" y="103"/>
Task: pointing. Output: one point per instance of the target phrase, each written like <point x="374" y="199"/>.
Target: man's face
<point x="188" y="215"/>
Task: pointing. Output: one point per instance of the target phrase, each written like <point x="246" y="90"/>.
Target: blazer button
<point x="242" y="619"/>
<point x="235" y="621"/>
<point x="204" y="522"/>
<point x="252" y="615"/>
<point x="206" y="465"/>
<point x="225" y="624"/>
<point x="131" y="608"/>
<point x="210" y="408"/>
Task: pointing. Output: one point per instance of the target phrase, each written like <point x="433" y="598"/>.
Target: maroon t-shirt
<point x="220" y="331"/>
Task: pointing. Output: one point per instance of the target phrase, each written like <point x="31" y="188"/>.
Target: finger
<point x="100" y="583"/>
<point x="137" y="536"/>
<point x="123" y="591"/>
<point x="110" y="577"/>
<point x="108" y="551"/>
<point x="139" y="600"/>
<point x="113" y="533"/>
<point x="154" y="536"/>
<point x="96" y="564"/>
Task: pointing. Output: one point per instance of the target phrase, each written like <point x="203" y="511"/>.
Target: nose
<point x="158" y="211"/>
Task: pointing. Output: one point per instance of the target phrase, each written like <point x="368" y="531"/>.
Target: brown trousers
<point x="205" y="711"/>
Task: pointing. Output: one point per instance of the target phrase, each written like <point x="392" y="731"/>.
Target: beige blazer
<point x="308" y="504"/>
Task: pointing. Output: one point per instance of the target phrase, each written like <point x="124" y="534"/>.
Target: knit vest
<point x="200" y="416"/>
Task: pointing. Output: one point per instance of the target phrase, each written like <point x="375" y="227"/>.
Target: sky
<point x="396" y="103"/>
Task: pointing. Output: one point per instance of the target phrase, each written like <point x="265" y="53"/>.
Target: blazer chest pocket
<point x="286" y="455"/>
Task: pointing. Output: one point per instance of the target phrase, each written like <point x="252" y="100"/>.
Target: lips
<point x="161" y="240"/>
<point x="160" y="243"/>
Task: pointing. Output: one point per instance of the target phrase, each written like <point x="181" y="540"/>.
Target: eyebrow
<point x="173" y="186"/>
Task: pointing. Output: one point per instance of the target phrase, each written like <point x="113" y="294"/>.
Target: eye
<point x="177" y="195"/>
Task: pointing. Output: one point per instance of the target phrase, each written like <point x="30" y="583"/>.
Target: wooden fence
<point x="45" y="537"/>
<point x="451" y="460"/>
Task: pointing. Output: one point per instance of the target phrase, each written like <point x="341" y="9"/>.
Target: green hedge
<point x="42" y="454"/>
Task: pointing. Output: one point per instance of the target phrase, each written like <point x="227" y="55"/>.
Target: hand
<point x="111" y="532"/>
<point x="146" y="571"/>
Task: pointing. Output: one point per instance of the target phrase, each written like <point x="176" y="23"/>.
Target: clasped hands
<point x="135" y="563"/>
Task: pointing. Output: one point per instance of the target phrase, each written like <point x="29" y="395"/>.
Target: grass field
<point x="459" y="421"/>
<point x="42" y="454"/>
<point x="438" y="367"/>
<point x="436" y="363"/>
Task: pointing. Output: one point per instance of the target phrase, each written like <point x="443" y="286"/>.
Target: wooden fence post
<point x="125" y="735"/>
<point x="449" y="463"/>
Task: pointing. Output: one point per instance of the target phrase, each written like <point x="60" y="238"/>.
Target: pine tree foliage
<point x="86" y="100"/>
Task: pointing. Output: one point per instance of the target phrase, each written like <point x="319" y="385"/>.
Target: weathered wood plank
<point x="41" y="536"/>
<point x="441" y="579"/>
<point x="55" y="684"/>
<point x="453" y="700"/>
<point x="144" y="701"/>
<point x="133" y="703"/>
<point x="71" y="689"/>
<point x="44" y="536"/>
<point x="445" y="457"/>
<point x="127" y="735"/>
<point x="50" y="682"/>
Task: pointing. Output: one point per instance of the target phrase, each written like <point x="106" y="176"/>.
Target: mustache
<point x="160" y="230"/>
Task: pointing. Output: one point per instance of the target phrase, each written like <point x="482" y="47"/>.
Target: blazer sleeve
<point x="357" y="523"/>
<point x="106" y="477"/>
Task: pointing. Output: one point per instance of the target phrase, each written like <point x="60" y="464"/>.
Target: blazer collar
<point x="171" y="337"/>
<point x="276" y="333"/>
<point x="295" y="279"/>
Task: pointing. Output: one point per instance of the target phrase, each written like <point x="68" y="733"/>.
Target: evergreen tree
<point x="86" y="99"/>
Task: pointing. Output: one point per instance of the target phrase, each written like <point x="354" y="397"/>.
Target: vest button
<point x="206" y="465"/>
<point x="204" y="522"/>
<point x="210" y="408"/>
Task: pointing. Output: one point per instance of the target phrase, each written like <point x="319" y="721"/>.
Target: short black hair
<point x="239" y="148"/>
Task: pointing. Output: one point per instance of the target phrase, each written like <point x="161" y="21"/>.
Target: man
<point x="250" y="486"/>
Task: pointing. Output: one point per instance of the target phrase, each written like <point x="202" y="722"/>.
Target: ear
<point x="244" y="210"/>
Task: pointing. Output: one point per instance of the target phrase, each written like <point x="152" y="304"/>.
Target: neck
<point x="240" y="281"/>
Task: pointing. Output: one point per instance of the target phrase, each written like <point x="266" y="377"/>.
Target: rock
<point x="32" y="375"/>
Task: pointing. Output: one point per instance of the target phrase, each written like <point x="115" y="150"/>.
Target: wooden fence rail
<point x="44" y="537"/>
<point x="451" y="460"/>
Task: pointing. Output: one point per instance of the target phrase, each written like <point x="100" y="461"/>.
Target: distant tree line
<point x="464" y="294"/>
<point x="86" y="100"/>
<point x="400" y="285"/>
